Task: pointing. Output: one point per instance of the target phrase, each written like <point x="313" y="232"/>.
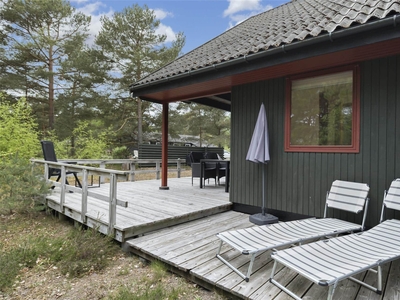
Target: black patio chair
<point x="193" y="160"/>
<point x="220" y="165"/>
<point x="50" y="155"/>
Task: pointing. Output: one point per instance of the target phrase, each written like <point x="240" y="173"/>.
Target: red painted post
<point x="164" y="151"/>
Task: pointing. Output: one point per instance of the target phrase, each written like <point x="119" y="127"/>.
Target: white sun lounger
<point x="343" y="195"/>
<point x="330" y="261"/>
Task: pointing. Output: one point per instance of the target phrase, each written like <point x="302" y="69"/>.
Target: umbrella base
<point x="260" y="219"/>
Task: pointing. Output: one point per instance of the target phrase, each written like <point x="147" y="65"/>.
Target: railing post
<point x="112" y="212"/>
<point x="178" y="167"/>
<point x="132" y="171"/>
<point x="46" y="171"/>
<point x="102" y="165"/>
<point x="63" y="188"/>
<point x="84" y="195"/>
<point x="158" y="169"/>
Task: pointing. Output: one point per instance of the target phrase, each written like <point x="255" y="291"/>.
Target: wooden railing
<point x="85" y="172"/>
<point x="131" y="164"/>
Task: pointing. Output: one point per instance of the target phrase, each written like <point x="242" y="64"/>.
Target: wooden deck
<point x="148" y="207"/>
<point x="189" y="249"/>
<point x="179" y="226"/>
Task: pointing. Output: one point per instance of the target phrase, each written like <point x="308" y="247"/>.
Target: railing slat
<point x="84" y="195"/>
<point x="63" y="187"/>
<point x="106" y="198"/>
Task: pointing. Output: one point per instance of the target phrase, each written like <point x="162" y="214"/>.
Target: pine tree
<point x="40" y="35"/>
<point x="129" y="41"/>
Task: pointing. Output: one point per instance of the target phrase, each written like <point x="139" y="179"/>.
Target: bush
<point x="22" y="187"/>
<point x="121" y="153"/>
<point x="37" y="241"/>
<point x="86" y="251"/>
<point x="18" y="130"/>
<point x="88" y="144"/>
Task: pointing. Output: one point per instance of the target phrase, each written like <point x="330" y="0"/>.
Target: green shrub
<point x="152" y="287"/>
<point x="149" y="292"/>
<point x="26" y="255"/>
<point x="121" y="153"/>
<point x="18" y="130"/>
<point x="76" y="253"/>
<point x="88" y="144"/>
<point x="86" y="251"/>
<point x="10" y="268"/>
<point x="22" y="187"/>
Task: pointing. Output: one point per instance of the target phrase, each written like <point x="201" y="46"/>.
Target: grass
<point x="41" y="244"/>
<point x="34" y="241"/>
<point x="156" y="286"/>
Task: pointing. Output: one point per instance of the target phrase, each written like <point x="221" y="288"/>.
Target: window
<point x="322" y="112"/>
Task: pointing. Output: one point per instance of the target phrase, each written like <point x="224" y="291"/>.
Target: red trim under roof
<point x="225" y="84"/>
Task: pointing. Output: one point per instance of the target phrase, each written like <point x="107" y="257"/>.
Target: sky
<point x="199" y="20"/>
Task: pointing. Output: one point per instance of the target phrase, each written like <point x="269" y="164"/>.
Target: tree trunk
<point x="51" y="90"/>
<point x="73" y="152"/>
<point x="200" y="137"/>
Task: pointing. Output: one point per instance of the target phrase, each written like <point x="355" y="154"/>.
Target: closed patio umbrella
<point x="259" y="153"/>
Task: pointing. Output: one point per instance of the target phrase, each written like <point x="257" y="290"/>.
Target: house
<point x="328" y="73"/>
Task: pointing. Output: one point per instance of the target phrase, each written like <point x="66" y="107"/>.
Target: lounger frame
<point x="343" y="195"/>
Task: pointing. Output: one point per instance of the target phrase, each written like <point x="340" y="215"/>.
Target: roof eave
<point x="191" y="76"/>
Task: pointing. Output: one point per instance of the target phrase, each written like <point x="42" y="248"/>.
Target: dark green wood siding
<point x="297" y="182"/>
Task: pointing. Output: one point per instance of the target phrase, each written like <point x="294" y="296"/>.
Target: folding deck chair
<point x="343" y="195"/>
<point x="328" y="262"/>
<point x="50" y="155"/>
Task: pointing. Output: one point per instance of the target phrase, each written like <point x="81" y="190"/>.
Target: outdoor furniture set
<point x="328" y="261"/>
<point x="206" y="166"/>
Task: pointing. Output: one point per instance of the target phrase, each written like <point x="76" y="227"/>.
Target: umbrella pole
<point x="263" y="218"/>
<point x="263" y="209"/>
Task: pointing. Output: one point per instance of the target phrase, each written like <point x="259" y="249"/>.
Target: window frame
<point x="355" y="139"/>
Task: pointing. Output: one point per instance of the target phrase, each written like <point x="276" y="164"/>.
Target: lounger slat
<point x="392" y="199"/>
<point x="349" y="196"/>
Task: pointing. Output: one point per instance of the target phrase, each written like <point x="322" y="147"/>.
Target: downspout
<point x="329" y="37"/>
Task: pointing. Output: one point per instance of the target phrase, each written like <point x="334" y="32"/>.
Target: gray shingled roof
<point x="294" y="21"/>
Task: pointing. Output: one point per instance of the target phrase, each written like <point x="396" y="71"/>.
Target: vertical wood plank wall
<point x="297" y="182"/>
